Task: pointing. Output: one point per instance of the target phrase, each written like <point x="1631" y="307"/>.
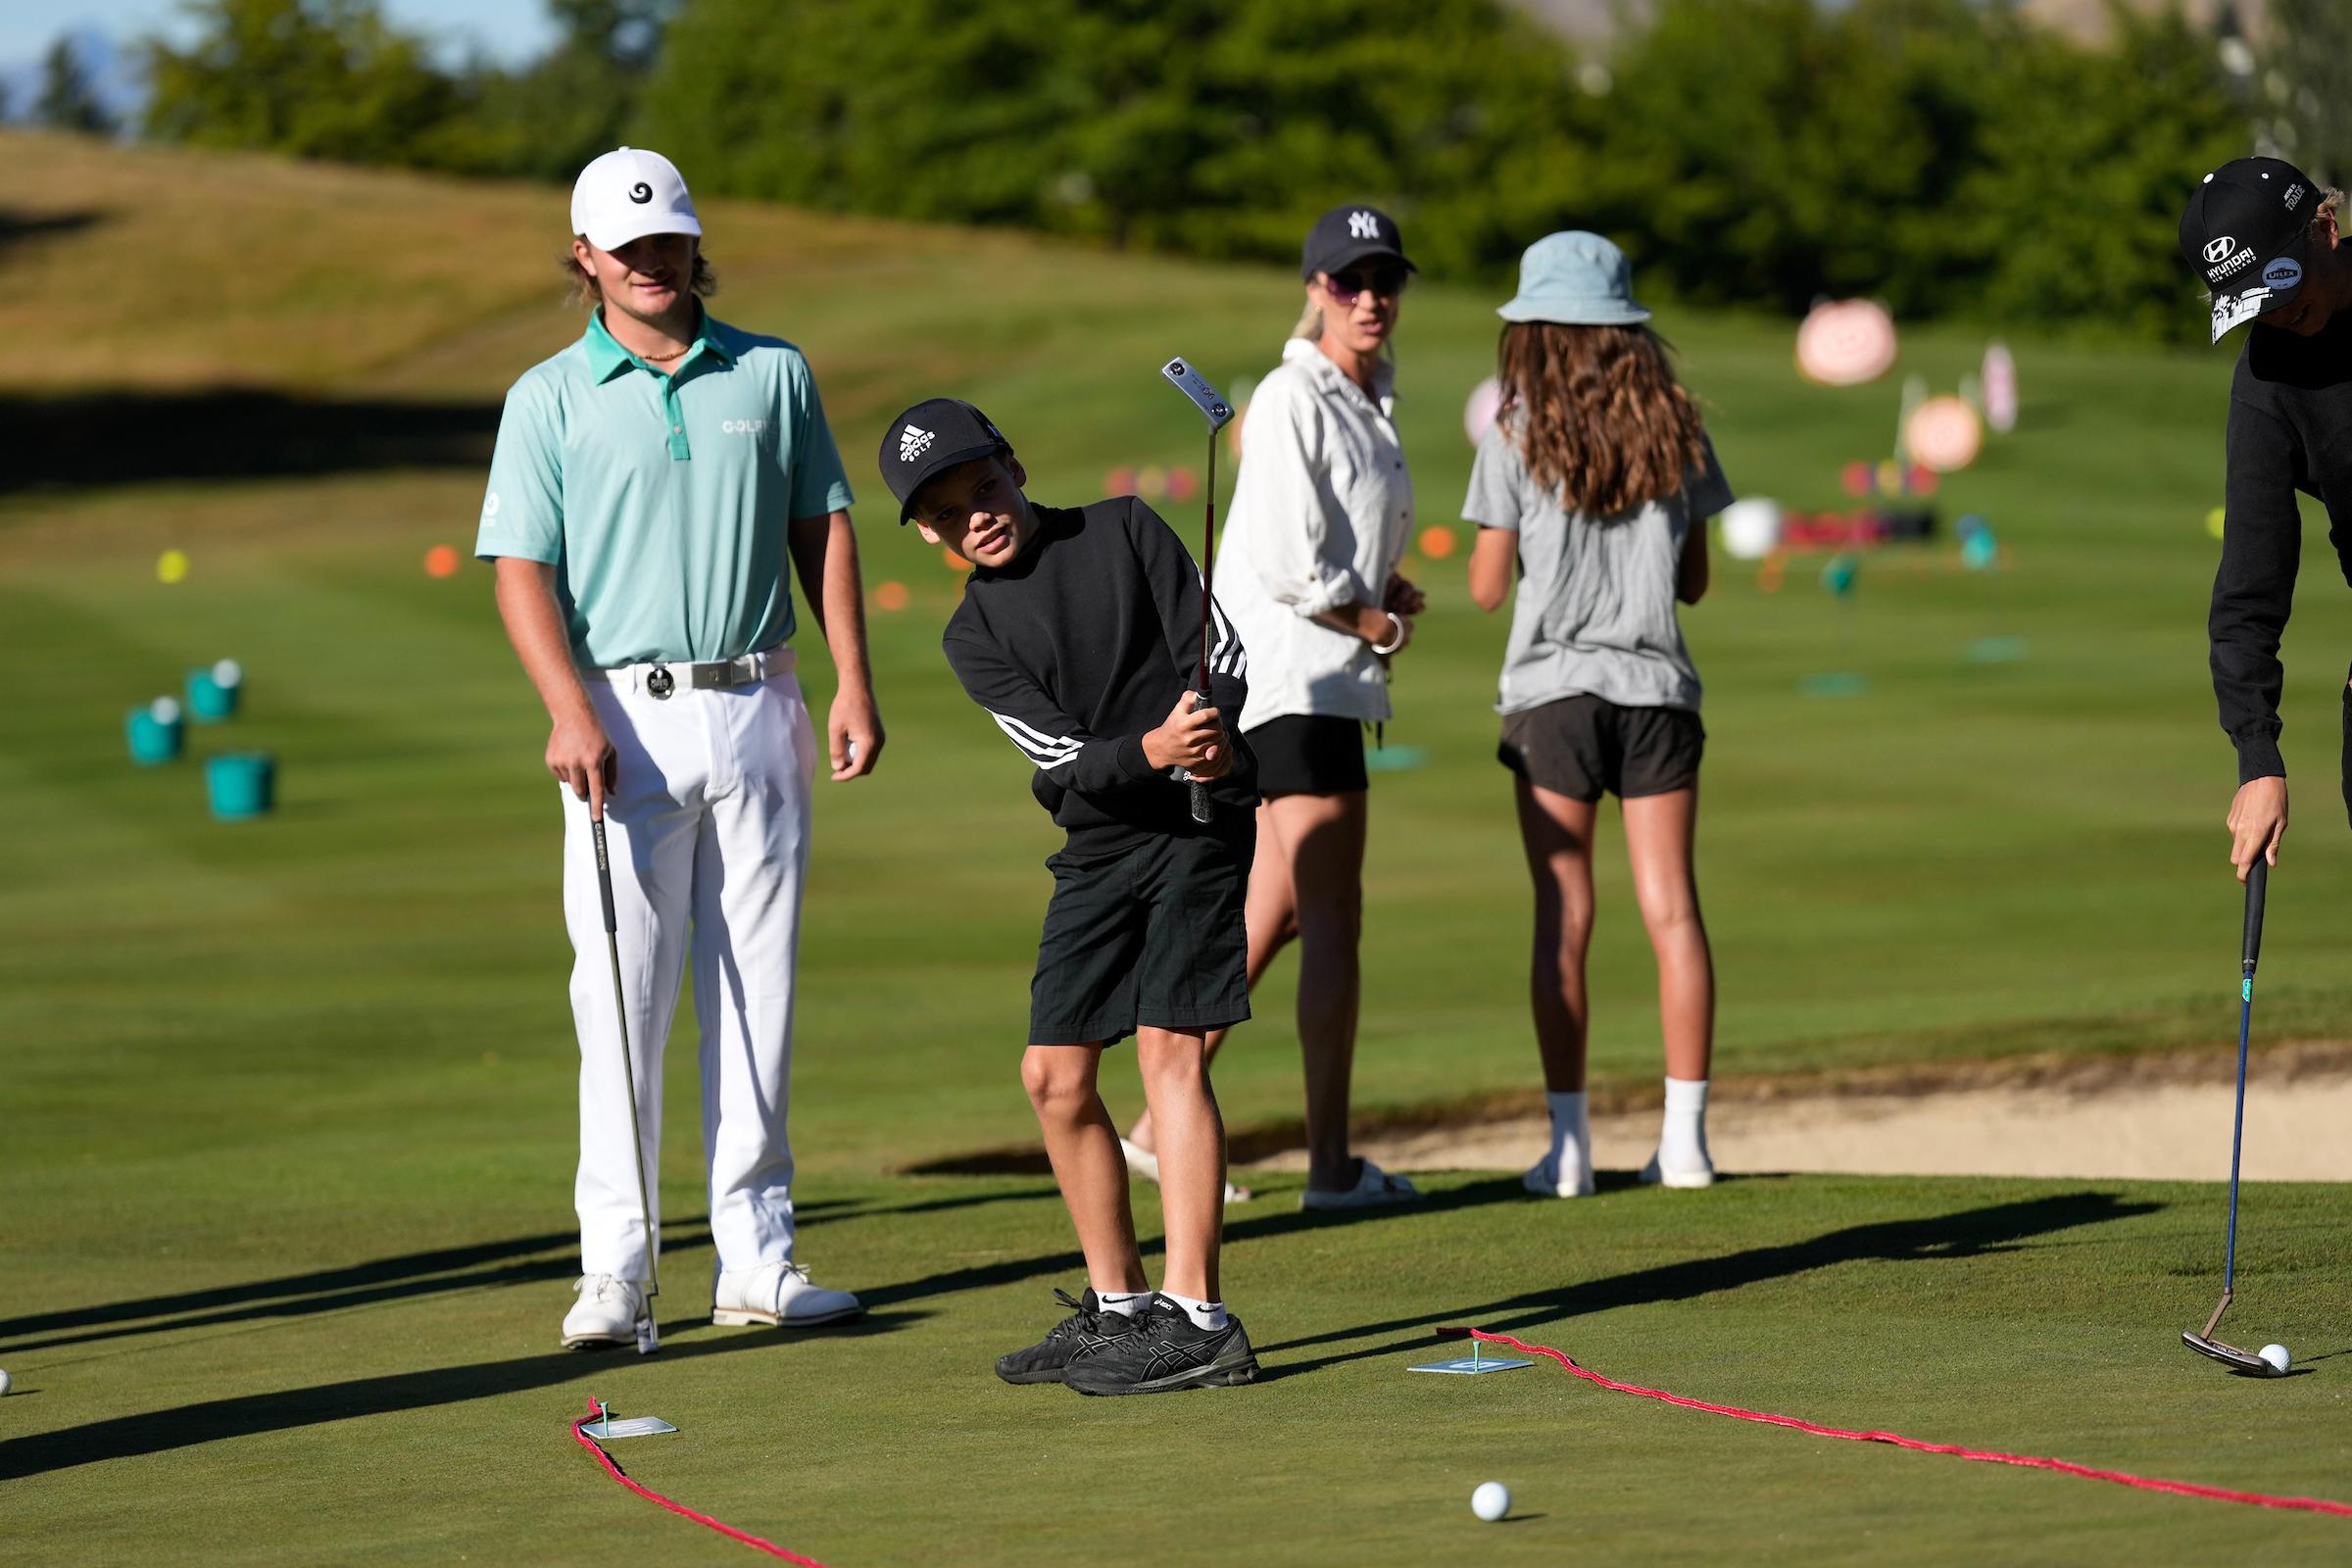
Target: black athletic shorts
<point x="1582" y="746"/>
<point x="1152" y="935"/>
<point x="1308" y="754"/>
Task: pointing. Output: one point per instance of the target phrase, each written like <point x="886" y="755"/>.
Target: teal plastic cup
<point x="243" y="785"/>
<point x="214" y="691"/>
<point x="155" y="731"/>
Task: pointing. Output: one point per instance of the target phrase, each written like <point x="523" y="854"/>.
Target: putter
<point x="2204" y="1343"/>
<point x="649" y="1334"/>
<point x="1219" y="414"/>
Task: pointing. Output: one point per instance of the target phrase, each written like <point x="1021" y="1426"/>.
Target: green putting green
<point x="288" y="1104"/>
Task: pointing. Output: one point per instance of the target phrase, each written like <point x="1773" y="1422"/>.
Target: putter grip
<point x="603" y="879"/>
<point x="2258" y="878"/>
<point x="1199" y="793"/>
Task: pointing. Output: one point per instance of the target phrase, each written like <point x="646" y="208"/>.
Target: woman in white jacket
<point x="1321" y="512"/>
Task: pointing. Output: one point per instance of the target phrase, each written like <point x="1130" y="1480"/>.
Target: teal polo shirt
<point x="664" y="501"/>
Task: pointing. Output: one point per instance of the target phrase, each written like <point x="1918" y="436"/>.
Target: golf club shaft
<point x="1208" y="556"/>
<point x="2257" y="887"/>
<point x="629" y="1066"/>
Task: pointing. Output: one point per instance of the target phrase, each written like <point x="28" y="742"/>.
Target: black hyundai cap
<point x="1349" y="234"/>
<point x="2243" y="230"/>
<point x="934" y="436"/>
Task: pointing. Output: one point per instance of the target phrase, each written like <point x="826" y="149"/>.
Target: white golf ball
<point x="1491" y="1501"/>
<point x="228" y="672"/>
<point x="163" y="711"/>
<point x="6" y="1382"/>
<point x="2276" y="1356"/>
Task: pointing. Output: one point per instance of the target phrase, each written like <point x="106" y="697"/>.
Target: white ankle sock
<point x="1205" y="1314"/>
<point x="1571" y="1135"/>
<point x="1127" y="1304"/>
<point x="1683" y="1137"/>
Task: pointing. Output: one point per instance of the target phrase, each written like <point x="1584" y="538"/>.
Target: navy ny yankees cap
<point x="930" y="438"/>
<point x="1346" y="235"/>
<point x="2244" y="230"/>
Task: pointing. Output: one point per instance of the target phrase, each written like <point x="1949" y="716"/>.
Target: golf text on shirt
<point x="665" y="502"/>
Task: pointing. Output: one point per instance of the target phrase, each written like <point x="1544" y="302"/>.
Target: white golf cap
<point x="627" y="194"/>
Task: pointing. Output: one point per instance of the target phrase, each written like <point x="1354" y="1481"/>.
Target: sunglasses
<point x="1347" y="287"/>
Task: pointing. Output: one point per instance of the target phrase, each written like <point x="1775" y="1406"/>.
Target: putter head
<point x="1208" y="399"/>
<point x="648" y="1335"/>
<point x="2230" y="1356"/>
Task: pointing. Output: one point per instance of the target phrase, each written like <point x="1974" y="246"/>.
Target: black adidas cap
<point x="1346" y="235"/>
<point x="934" y="436"/>
<point x="2243" y="230"/>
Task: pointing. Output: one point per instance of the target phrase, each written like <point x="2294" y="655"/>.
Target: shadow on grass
<point x="109" y="438"/>
<point x="1969" y="1233"/>
<point x="17" y="227"/>
<point x="188" y="1425"/>
<point x="514" y="1261"/>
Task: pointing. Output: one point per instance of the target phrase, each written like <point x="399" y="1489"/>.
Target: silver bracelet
<point x="1396" y="638"/>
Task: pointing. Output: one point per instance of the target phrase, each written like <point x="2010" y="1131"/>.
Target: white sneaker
<point x="1702" y="1174"/>
<point x="608" y="1312"/>
<point x="1144" y="1164"/>
<point x="1373" y="1187"/>
<point x="779" y="1296"/>
<point x="1543" y="1179"/>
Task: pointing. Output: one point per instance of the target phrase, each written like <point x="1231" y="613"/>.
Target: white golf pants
<point x="707" y="831"/>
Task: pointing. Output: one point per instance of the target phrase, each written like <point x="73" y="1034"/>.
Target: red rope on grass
<point x="2184" y="1489"/>
<point x="730" y="1531"/>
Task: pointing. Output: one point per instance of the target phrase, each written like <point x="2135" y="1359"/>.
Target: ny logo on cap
<point x="2219" y="248"/>
<point x="641" y="193"/>
<point x="913" y="443"/>
<point x="1363" y="226"/>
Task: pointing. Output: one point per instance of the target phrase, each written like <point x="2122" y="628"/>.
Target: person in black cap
<point x="2265" y="238"/>
<point x="1322" y="510"/>
<point x="1079" y="633"/>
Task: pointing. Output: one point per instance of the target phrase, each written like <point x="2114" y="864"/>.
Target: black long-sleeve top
<point x="1082" y="644"/>
<point x="2290" y="430"/>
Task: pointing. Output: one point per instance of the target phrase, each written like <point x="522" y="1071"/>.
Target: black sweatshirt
<point x="1080" y="645"/>
<point x="2290" y="430"/>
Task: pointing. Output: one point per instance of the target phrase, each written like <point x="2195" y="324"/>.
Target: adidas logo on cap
<point x="913" y="443"/>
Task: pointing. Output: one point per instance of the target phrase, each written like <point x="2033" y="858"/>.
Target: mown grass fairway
<point x="251" y="1075"/>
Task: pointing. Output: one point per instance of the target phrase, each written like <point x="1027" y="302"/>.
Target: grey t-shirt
<point x="1595" y="612"/>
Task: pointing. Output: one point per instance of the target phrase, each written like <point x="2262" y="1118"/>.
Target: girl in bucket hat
<point x="1595" y="480"/>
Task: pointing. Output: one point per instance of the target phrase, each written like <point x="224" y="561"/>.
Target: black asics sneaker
<point x="1166" y="1351"/>
<point x="1087" y="1328"/>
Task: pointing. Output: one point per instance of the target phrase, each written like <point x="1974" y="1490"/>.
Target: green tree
<point x="67" y="101"/>
<point x="547" y="119"/>
<point x="2306" y="71"/>
<point x="315" y="79"/>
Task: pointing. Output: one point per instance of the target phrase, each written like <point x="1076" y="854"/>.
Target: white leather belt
<point x="662" y="677"/>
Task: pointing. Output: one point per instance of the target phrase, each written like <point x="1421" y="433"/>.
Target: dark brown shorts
<point x="1582" y="747"/>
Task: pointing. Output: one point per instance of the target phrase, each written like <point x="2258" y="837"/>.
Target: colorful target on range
<point x="1845" y="343"/>
<point x="1944" y="434"/>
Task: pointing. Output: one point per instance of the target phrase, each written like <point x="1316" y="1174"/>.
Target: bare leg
<point x="1557" y="831"/>
<point x="1660" y="833"/>
<point x="1323" y="837"/>
<point x="1272" y="920"/>
<point x="1191" y="1156"/>
<point x="1084" y="1147"/>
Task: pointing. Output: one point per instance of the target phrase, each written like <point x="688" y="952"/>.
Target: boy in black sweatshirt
<point x="1079" y="633"/>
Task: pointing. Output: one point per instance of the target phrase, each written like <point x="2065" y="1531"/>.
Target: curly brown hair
<point x="1600" y="417"/>
<point x="586" y="293"/>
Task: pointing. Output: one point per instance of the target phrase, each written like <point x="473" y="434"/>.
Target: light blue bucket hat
<point x="1576" y="279"/>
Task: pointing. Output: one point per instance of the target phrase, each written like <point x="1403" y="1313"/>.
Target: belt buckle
<point x="659" y="681"/>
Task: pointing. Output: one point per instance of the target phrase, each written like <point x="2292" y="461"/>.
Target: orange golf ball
<point x="442" y="560"/>
<point x="1437" y="541"/>
<point x="890" y="595"/>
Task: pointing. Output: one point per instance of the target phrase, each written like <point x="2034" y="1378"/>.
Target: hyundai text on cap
<point x="627" y="194"/>
<point x="1346" y="235"/>
<point x="2244" y="230"/>
<point x="929" y="438"/>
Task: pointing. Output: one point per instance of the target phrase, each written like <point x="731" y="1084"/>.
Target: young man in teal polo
<point x="653" y="488"/>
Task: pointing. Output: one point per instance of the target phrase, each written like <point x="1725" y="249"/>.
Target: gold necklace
<point x="674" y="353"/>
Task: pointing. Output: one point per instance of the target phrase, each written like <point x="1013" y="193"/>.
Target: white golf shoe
<point x="1543" y="1179"/>
<point x="1373" y="1187"/>
<point x="778" y="1295"/>
<point x="1660" y="1174"/>
<point x="608" y="1312"/>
